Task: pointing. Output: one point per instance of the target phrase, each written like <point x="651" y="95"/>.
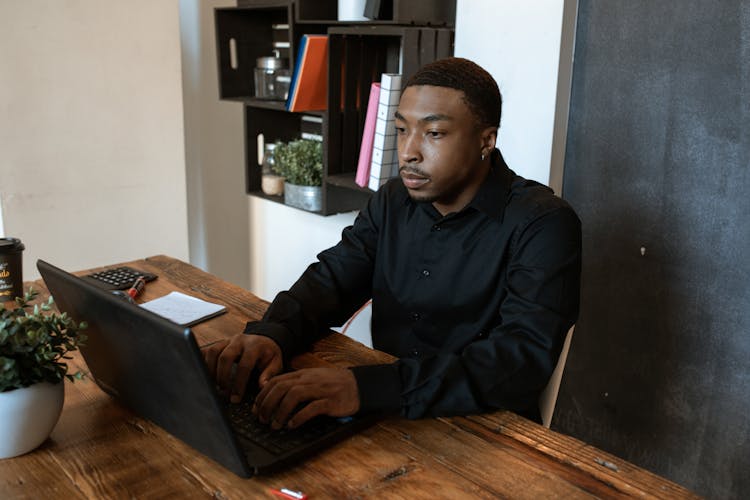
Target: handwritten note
<point x="183" y="309"/>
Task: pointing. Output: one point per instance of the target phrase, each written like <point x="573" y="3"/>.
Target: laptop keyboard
<point x="279" y="441"/>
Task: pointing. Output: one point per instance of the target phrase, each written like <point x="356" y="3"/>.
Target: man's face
<point x="440" y="146"/>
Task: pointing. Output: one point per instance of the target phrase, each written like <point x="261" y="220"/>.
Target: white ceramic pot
<point x="27" y="416"/>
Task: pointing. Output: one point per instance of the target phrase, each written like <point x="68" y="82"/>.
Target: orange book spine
<point x="309" y="90"/>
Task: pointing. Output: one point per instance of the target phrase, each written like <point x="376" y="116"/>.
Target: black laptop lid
<point x="150" y="364"/>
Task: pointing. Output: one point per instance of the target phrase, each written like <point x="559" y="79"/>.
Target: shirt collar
<point x="492" y="195"/>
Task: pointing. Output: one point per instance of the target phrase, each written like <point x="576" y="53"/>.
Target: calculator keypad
<point x="119" y="278"/>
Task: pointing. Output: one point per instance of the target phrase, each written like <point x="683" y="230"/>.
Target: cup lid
<point x="270" y="63"/>
<point x="8" y="245"/>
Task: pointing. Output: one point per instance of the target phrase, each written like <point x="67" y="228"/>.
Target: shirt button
<point x="436" y="228"/>
<point x="415" y="316"/>
<point x="425" y="272"/>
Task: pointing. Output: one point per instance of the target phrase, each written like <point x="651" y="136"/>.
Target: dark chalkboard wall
<point x="658" y="167"/>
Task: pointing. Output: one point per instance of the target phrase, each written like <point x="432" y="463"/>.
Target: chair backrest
<point x="358" y="326"/>
<point x="548" y="398"/>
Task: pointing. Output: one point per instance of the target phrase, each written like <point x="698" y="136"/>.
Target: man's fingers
<point x="227" y="359"/>
<point x="231" y="362"/>
<point x="245" y="368"/>
<point x="272" y="383"/>
<point x="329" y="391"/>
<point x="296" y="396"/>
<point x="313" y="409"/>
<point x="267" y="402"/>
<point x="271" y="368"/>
<point x="211" y="354"/>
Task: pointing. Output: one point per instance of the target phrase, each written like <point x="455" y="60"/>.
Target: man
<point x="474" y="275"/>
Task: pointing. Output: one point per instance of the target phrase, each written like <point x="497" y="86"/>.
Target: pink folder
<point x="368" y="134"/>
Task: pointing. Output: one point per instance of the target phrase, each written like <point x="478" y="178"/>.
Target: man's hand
<point x="324" y="391"/>
<point x="249" y="352"/>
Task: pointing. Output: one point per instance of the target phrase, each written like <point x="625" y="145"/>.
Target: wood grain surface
<point x="99" y="449"/>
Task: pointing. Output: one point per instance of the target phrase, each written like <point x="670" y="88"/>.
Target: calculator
<point x="118" y="278"/>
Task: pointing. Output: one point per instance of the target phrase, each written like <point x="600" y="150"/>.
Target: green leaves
<point x="33" y="343"/>
<point x="300" y="162"/>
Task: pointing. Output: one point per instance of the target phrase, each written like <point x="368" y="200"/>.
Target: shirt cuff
<point x="379" y="388"/>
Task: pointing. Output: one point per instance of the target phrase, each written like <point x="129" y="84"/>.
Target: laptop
<point x="155" y="368"/>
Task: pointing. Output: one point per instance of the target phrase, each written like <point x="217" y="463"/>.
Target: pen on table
<point x="137" y="287"/>
<point x="290" y="494"/>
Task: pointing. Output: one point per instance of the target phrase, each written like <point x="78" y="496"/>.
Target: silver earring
<point x="482" y="156"/>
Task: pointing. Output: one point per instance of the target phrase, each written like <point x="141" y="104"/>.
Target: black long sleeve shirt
<point x="475" y="304"/>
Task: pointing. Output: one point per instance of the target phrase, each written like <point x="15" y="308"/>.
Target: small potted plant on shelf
<point x="300" y="162"/>
<point x="34" y="342"/>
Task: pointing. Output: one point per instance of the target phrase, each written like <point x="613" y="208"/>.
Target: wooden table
<point x="101" y="450"/>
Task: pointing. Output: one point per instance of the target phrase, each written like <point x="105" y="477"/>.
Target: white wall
<point x="91" y="139"/>
<point x="520" y="44"/>
<point x="214" y="153"/>
<point x="285" y="241"/>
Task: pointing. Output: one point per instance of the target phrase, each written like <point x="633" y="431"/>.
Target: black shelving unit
<point x="358" y="54"/>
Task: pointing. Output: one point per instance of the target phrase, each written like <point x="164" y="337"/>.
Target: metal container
<point x="308" y="198"/>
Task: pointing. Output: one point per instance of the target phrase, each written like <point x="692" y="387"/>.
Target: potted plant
<point x="300" y="162"/>
<point x="34" y="342"/>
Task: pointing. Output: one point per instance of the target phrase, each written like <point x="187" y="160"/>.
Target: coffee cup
<point x="11" y="269"/>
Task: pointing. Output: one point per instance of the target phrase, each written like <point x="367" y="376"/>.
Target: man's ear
<point x="488" y="137"/>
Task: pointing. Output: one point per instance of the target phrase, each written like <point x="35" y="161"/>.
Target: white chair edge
<point x="548" y="398"/>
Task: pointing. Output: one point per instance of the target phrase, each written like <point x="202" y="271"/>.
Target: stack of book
<point x="378" y="160"/>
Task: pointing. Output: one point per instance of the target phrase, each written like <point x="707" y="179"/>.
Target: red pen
<point x="137" y="287"/>
<point x="289" y="494"/>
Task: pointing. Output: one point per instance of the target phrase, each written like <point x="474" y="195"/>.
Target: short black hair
<point x="480" y="90"/>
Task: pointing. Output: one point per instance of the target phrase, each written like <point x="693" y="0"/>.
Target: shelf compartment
<point x="413" y="12"/>
<point x="358" y="55"/>
<point x="275" y="125"/>
<point x="422" y="12"/>
<point x="316" y="11"/>
<point x="244" y="34"/>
